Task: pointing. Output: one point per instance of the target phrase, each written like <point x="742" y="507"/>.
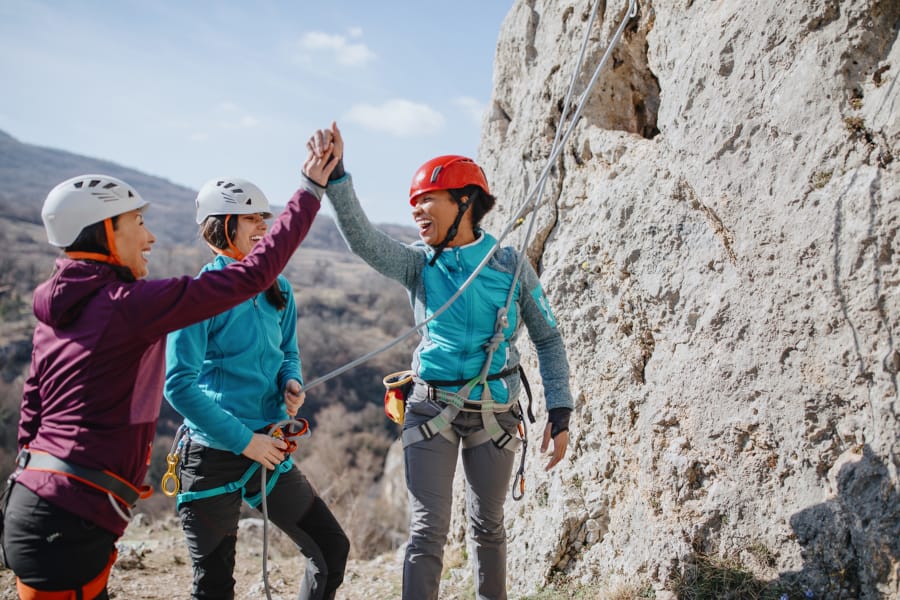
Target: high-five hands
<point x="327" y="143"/>
<point x="321" y="161"/>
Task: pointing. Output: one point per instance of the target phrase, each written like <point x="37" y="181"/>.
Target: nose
<point x="152" y="238"/>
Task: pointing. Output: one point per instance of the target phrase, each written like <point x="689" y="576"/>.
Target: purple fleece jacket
<point x="95" y="385"/>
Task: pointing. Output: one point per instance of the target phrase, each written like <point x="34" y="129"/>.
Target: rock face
<point x="719" y="240"/>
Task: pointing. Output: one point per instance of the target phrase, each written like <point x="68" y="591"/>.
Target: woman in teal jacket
<point x="231" y="377"/>
<point x="466" y="367"/>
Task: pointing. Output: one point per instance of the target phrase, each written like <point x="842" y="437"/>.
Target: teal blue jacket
<point x="226" y="375"/>
<point x="452" y="345"/>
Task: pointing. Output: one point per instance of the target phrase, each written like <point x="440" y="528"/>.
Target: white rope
<point x="503" y="320"/>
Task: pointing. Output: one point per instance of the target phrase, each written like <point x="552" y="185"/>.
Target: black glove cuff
<point x="338" y="171"/>
<point x="559" y="420"/>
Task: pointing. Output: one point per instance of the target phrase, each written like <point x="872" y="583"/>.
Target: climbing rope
<point x="531" y="199"/>
<point x="288" y="430"/>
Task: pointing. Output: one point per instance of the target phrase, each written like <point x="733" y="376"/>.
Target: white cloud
<point x="398" y="117"/>
<point x="355" y="32"/>
<point x="345" y="52"/>
<point x="248" y="121"/>
<point x="472" y="107"/>
<point x="236" y="117"/>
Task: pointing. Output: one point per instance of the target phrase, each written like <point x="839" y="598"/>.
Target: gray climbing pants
<point x="430" y="466"/>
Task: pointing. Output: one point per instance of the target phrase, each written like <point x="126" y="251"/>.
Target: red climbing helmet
<point x="448" y="172"/>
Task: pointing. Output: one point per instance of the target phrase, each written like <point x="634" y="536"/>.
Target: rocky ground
<point x="153" y="564"/>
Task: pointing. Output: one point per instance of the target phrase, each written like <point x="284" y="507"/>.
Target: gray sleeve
<point x="551" y="352"/>
<point x="383" y="253"/>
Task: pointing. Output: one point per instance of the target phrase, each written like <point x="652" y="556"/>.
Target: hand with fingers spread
<point x="294" y="396"/>
<point x="266" y="450"/>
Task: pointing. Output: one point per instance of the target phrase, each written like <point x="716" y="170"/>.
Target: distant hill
<point x="28" y="172"/>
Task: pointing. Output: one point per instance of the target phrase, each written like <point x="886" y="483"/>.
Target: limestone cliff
<point x="719" y="241"/>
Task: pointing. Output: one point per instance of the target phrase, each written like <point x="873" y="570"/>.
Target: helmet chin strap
<point x="232" y="250"/>
<point x="451" y="233"/>
<point x="112" y="258"/>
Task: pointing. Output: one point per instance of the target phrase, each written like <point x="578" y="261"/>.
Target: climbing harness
<point x="291" y="431"/>
<point x="119" y="491"/>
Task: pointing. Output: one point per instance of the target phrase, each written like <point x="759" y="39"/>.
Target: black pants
<point x="51" y="549"/>
<point x="210" y="525"/>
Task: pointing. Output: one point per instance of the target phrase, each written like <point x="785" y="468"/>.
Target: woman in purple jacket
<point x="92" y="396"/>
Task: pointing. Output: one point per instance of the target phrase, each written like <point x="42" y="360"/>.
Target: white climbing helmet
<point x="84" y="200"/>
<point x="230" y="196"/>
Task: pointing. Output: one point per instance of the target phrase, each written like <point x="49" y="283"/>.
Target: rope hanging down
<point x="530" y="202"/>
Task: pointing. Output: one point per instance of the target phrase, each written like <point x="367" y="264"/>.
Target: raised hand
<point x="319" y="165"/>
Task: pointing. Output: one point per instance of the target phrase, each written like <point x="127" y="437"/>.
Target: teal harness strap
<point x="240" y="484"/>
<point x="283" y="467"/>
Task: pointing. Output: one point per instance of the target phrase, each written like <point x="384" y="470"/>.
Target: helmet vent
<point x="105" y="197"/>
<point x="249" y="202"/>
<point x="436" y="172"/>
<point x="109" y="186"/>
<point x="78" y="185"/>
<point x="94" y="183"/>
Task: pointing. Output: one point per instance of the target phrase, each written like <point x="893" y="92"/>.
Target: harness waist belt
<point x="435" y="394"/>
<point x="495" y="376"/>
<point x="102" y="480"/>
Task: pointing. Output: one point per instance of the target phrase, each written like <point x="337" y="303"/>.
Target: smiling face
<point x="434" y="213"/>
<point x="133" y="242"/>
<point x="250" y="229"/>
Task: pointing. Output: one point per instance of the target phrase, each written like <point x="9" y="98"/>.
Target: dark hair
<point x="93" y="239"/>
<point x="213" y="231"/>
<point x="482" y="202"/>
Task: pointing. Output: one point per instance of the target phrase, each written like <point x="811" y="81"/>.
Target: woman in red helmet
<point x="92" y="396"/>
<point x="462" y="395"/>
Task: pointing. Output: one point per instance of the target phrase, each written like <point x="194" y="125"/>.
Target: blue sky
<point x="195" y="90"/>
